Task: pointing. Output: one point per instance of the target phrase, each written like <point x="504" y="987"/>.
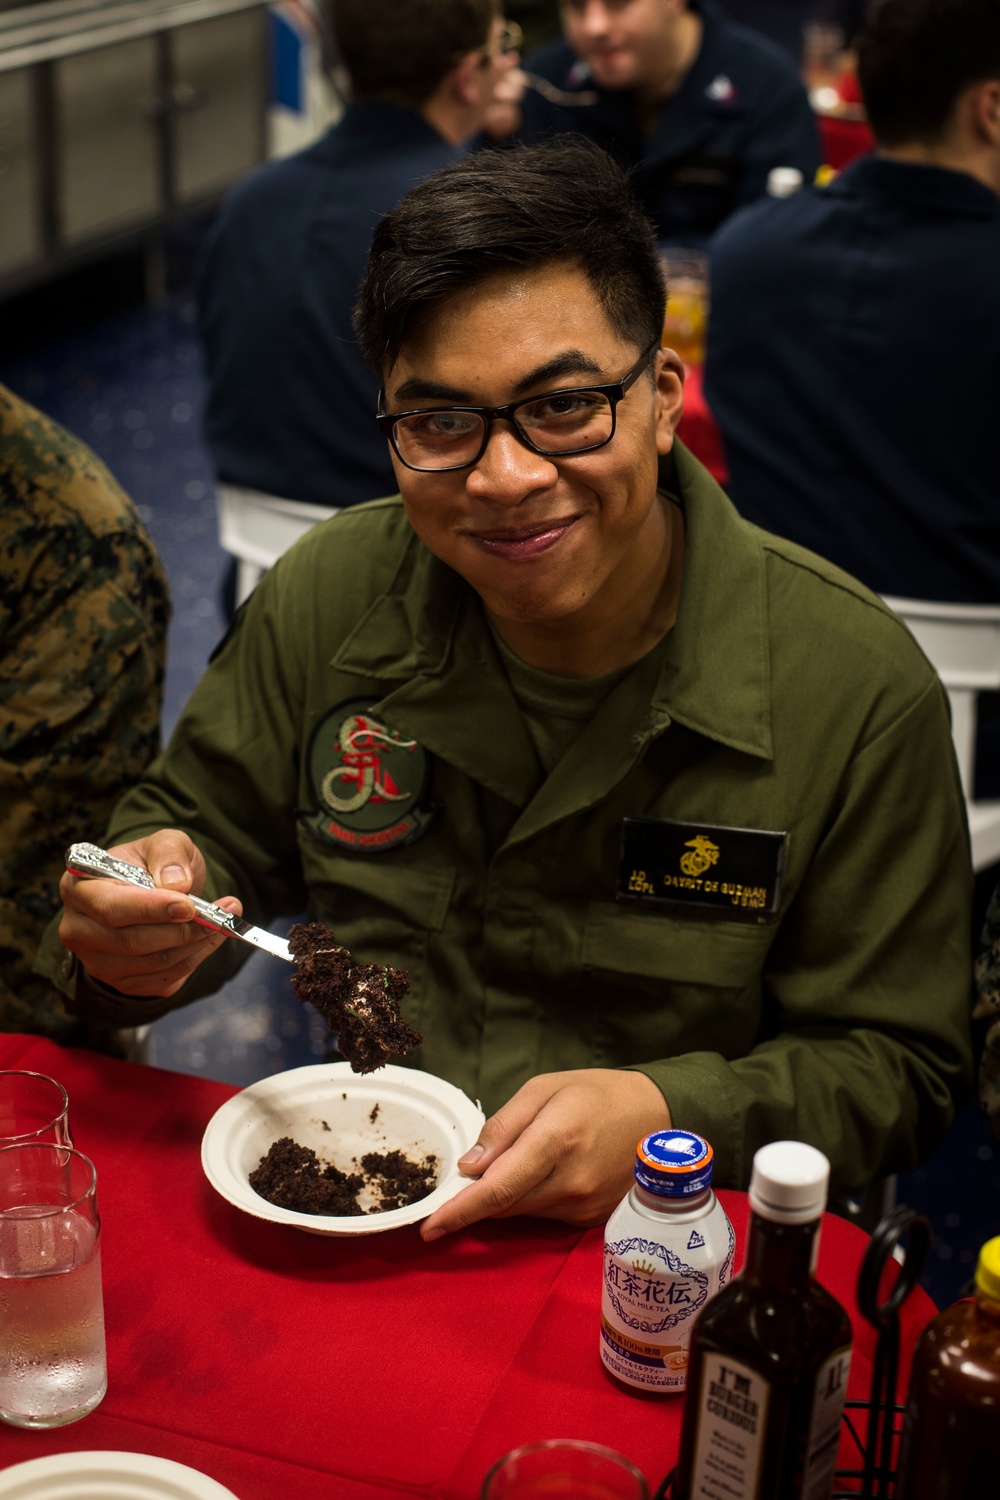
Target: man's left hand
<point x="562" y="1148"/>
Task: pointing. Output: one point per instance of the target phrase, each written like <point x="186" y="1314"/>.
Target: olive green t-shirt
<point x="555" y="708"/>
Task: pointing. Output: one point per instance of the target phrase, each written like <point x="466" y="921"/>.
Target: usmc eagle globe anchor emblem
<point x="368" y="781"/>
<point x="704" y="854"/>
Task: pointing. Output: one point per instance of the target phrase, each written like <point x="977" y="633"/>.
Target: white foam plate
<point x="329" y="1108"/>
<point x="107" y="1476"/>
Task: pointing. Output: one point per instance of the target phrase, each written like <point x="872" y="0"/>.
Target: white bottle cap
<point x="788" y="1183"/>
<point x="782" y="182"/>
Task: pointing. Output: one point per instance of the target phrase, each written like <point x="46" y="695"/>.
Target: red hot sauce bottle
<point x="951" y="1436"/>
<point x="770" y="1353"/>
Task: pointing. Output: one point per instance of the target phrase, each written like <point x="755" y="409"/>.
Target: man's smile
<point x="514" y="543"/>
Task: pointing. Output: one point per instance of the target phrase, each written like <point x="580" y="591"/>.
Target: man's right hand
<point x="140" y="942"/>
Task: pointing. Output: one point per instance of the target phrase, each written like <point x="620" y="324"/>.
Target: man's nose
<point x="508" y="471"/>
<point x="592" y="20"/>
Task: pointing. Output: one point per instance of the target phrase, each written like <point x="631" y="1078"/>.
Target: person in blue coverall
<point x="290" y="398"/>
<point x="699" y="108"/>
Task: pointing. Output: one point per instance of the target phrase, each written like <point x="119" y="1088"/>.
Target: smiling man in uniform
<point x="659" y="812"/>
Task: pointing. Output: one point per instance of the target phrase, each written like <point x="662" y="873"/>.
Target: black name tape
<point x="732" y="870"/>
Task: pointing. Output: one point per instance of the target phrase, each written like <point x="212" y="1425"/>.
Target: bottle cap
<point x="788" y="1183"/>
<point x="674" y="1163"/>
<point x="988" y="1269"/>
<point x="783" y="182"/>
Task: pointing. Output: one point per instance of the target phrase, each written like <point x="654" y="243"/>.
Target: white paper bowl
<point x="99" y="1476"/>
<point x="418" y="1114"/>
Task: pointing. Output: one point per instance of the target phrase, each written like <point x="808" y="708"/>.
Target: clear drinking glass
<point x="685" y="326"/>
<point x="33" y="1109"/>
<point x="52" y="1357"/>
<point x="564" y="1469"/>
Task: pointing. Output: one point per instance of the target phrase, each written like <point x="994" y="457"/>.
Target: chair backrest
<point x="962" y="643"/>
<point x="257" y="528"/>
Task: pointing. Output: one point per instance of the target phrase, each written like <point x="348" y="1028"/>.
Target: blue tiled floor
<point x="132" y="387"/>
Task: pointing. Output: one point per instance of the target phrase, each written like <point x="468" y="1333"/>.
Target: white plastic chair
<point x="257" y="528"/>
<point x="962" y="642"/>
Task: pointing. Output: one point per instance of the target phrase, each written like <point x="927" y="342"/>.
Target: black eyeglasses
<point x="556" y="424"/>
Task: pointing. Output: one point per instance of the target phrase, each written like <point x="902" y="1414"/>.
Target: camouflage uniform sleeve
<point x="988" y="1009"/>
<point x="83" y="614"/>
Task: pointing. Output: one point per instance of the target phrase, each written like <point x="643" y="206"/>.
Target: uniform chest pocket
<point x="653" y="945"/>
<point x="662" y="986"/>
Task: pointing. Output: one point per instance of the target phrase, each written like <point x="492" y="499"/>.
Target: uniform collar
<point x="943" y="189"/>
<point x="709" y="91"/>
<point x="429" y="642"/>
<point x="374" y="123"/>
<point x="716" y="672"/>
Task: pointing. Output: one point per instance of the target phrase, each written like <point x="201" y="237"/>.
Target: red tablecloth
<point x="287" y="1365"/>
<point x="698" y="430"/>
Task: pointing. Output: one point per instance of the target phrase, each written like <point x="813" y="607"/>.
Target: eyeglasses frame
<point x="615" y="392"/>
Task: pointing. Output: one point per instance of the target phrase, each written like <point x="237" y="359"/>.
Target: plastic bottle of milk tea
<point x="668" y="1248"/>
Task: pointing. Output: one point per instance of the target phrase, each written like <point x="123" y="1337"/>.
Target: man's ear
<point x="669" y="398"/>
<point x="984" y="110"/>
<point x="466" y="79"/>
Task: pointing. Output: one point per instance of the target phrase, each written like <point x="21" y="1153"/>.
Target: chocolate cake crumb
<point x="398" y="1180"/>
<point x="359" y="1001"/>
<point x="323" y="1122"/>
<point x="292" y="1176"/>
<point x="374" y="1115"/>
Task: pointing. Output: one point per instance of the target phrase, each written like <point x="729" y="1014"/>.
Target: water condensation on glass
<point x="52" y="1353"/>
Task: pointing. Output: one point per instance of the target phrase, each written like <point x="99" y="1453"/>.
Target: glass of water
<point x="564" y="1467"/>
<point x="33" y="1109"/>
<point x="52" y="1358"/>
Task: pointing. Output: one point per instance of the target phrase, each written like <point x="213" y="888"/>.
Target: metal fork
<point x="90" y="861"/>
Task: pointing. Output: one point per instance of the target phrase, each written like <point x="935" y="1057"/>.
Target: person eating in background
<point x="289" y="393"/>
<point x="699" y="108"/>
<point x="659" y="812"/>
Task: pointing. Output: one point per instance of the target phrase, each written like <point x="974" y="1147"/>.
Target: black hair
<point x="916" y="57"/>
<point x="398" y="51"/>
<point x="521" y="209"/>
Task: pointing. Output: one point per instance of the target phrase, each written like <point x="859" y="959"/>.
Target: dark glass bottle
<point x="770" y="1353"/>
<point x="951" y="1437"/>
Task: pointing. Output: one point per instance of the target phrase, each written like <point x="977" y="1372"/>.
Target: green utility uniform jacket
<point x="786" y="698"/>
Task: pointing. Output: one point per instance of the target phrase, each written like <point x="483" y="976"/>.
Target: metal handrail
<point x="70" y="27"/>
